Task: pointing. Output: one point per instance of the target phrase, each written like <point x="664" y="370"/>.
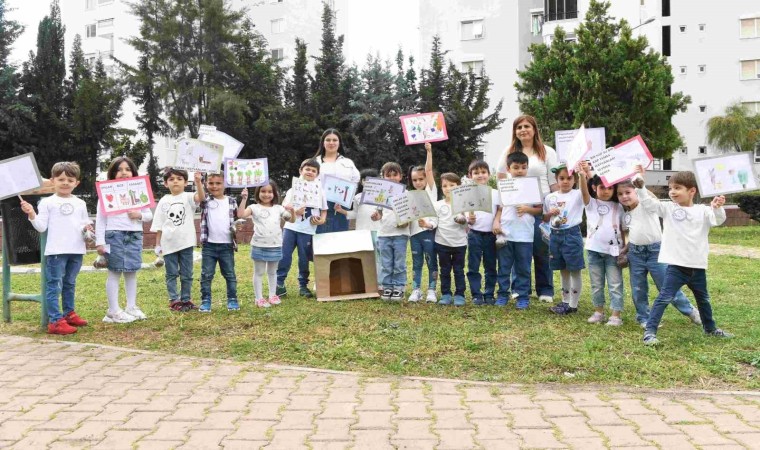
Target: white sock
<point x="259" y="268"/>
<point x="272" y="277"/>
<point x="576" y="283"/>
<point x="130" y="285"/>
<point x="565" y="276"/>
<point x="112" y="291"/>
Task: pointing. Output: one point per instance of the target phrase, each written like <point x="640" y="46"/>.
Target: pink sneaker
<point x="275" y="300"/>
<point x="262" y="303"/>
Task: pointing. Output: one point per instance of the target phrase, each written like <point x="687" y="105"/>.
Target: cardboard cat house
<point x="344" y="266"/>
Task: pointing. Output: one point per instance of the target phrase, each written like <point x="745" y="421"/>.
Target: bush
<point x="750" y="204"/>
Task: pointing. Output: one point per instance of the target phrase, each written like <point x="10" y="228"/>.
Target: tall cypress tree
<point x="328" y="91"/>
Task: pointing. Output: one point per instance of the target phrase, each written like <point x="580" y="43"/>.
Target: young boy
<point x="392" y="240"/>
<point x="299" y="234"/>
<point x="174" y="225"/>
<point x="64" y="216"/>
<point x="481" y="242"/>
<point x="218" y="214"/>
<point x="516" y="225"/>
<point x="684" y="248"/>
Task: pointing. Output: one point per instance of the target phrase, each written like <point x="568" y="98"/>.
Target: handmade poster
<point x="125" y="194"/>
<point x="379" y="192"/>
<point x="240" y="173"/>
<point x="338" y="190"/>
<point x="232" y="146"/>
<point x="412" y="205"/>
<point x="563" y="138"/>
<point x="470" y="198"/>
<point x="520" y="191"/>
<point x="577" y="150"/>
<point x="619" y="163"/>
<point x="306" y="193"/>
<point x="726" y="174"/>
<point x="421" y="128"/>
<point x="19" y="174"/>
<point x="198" y="156"/>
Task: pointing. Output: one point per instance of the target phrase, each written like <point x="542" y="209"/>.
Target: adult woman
<point x="333" y="162"/>
<point x="541" y="159"/>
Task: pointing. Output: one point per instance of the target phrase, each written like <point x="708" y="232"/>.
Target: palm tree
<point x="737" y="130"/>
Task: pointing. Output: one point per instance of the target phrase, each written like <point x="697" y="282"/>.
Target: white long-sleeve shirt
<point x="362" y="213"/>
<point x="120" y="222"/>
<point x="63" y="218"/>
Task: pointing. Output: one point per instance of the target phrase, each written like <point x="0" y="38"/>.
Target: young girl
<point x="643" y="249"/>
<point x="422" y="232"/>
<point x="450" y="243"/>
<point x="604" y="240"/>
<point x="266" y="243"/>
<point x="120" y="236"/>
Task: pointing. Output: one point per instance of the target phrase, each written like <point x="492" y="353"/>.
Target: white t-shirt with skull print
<point x="175" y="219"/>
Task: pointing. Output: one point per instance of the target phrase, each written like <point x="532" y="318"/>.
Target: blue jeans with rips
<point x="603" y="267"/>
<point x="290" y="241"/>
<point x="179" y="264"/>
<point x="393" y="256"/>
<point x="481" y="246"/>
<point x="61" y="272"/>
<point x="675" y="278"/>
<point x="423" y="251"/>
<point x="224" y="254"/>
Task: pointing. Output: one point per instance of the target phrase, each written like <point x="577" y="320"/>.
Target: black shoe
<point x="281" y="291"/>
<point x="305" y="292"/>
<point x="719" y="333"/>
<point x="563" y="309"/>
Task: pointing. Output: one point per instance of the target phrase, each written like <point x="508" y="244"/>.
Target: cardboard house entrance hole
<point x="344" y="266"/>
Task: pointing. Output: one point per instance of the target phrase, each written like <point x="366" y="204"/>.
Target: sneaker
<point x="136" y="312"/>
<point x="118" y="317"/>
<point x="274" y="300"/>
<point x="563" y="309"/>
<point x="502" y="301"/>
<point x="232" y="304"/>
<point x="719" y="333"/>
<point x="175" y="305"/>
<point x="597" y="317"/>
<point x="305" y="292"/>
<point x="643" y="325"/>
<point x="614" y="321"/>
<point x="522" y="303"/>
<point x="546" y="298"/>
<point x="459" y="300"/>
<point x="397" y="295"/>
<point x="386" y="295"/>
<point x="445" y="300"/>
<point x="74" y="320"/>
<point x="514" y="296"/>
<point x="415" y="296"/>
<point x="188" y="306"/>
<point x="281" y="291"/>
<point x="694" y="317"/>
<point x="262" y="303"/>
<point x="650" y="339"/>
<point x="61" y="327"/>
<point x="490" y="301"/>
<point x="205" y="306"/>
<point x="431" y="297"/>
<point x="478" y="300"/>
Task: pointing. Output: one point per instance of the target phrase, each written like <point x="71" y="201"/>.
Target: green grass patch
<point x="745" y="236"/>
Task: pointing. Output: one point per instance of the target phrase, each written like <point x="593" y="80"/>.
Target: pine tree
<point x="15" y="118"/>
<point x="328" y="92"/>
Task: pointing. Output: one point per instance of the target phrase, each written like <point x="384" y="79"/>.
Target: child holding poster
<point x="450" y="243"/>
<point x="64" y="216"/>
<point x="120" y="238"/>
<point x="481" y="242"/>
<point x="422" y="231"/>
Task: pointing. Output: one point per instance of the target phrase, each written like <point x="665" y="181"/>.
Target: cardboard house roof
<point x="345" y="242"/>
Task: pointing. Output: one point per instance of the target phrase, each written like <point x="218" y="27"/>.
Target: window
<point x="751" y="69"/>
<point x="702" y="150"/>
<point x="536" y="23"/>
<point x="666" y="40"/>
<point x="702" y="108"/>
<point x="684" y="150"/>
<point x="702" y="27"/>
<point x="682" y="28"/>
<point x="702" y="68"/>
<point x="560" y="9"/>
<point x="472" y="29"/>
<point x="757" y="155"/>
<point x="657" y="164"/>
<point x="90" y="58"/>
<point x="665" y="8"/>
<point x="571" y="37"/>
<point x="682" y="70"/>
<point x="104" y="2"/>
<point x="104" y="26"/>
<point x="278" y="54"/>
<point x="90" y="30"/>
<point x="476" y="66"/>
<point x="750" y="28"/>
<point x="752" y="107"/>
<point x="278" y="26"/>
<point x="89" y="5"/>
<point x="667" y="164"/>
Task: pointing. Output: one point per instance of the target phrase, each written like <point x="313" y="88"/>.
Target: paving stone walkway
<point x="61" y="395"/>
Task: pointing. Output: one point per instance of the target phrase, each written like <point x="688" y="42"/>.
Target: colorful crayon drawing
<point x="338" y="190"/>
<point x="421" y="128"/>
<point x="379" y="192"/>
<point x="198" y="156"/>
<point x="306" y="193"/>
<point x="124" y="194"/>
<point x="725" y="174"/>
<point x="239" y="173"/>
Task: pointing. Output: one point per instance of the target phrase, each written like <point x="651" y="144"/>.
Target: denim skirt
<point x="126" y="250"/>
<point x="268" y="254"/>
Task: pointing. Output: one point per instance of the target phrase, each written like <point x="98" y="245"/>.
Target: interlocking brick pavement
<point x="61" y="395"/>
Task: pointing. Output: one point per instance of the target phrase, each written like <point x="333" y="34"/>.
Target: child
<point x="174" y="225"/>
<point x="516" y="225"/>
<point x="266" y="244"/>
<point x="564" y="212"/>
<point x="120" y="236"/>
<point x="450" y="243"/>
<point x="604" y="239"/>
<point x="422" y="232"/>
<point x="299" y="234"/>
<point x="643" y="249"/>
<point x="392" y="240"/>
<point x="684" y="248"/>
<point x="481" y="242"/>
<point x="218" y="214"/>
<point x="64" y="217"/>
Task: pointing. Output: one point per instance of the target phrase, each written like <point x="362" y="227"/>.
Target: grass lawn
<point x="745" y="236"/>
<point x="475" y="343"/>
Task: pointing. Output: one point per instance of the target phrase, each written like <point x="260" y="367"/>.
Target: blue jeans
<point x="290" y="241"/>
<point x="675" y="278"/>
<point x="61" y="272"/>
<point x="224" y="254"/>
<point x="393" y="256"/>
<point x="334" y="221"/>
<point x="481" y="245"/>
<point x="642" y="259"/>
<point x="514" y="258"/>
<point x="179" y="264"/>
<point x="603" y="267"/>
<point x="423" y="251"/>
<point x="451" y="258"/>
<point x="543" y="270"/>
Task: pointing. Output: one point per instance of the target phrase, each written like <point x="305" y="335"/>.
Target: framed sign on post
<point x="619" y="163"/>
<point x="124" y="195"/>
<point x="426" y="127"/>
<point x="338" y="190"/>
<point x="379" y="192"/>
<point x="471" y="198"/>
<point x="520" y="191"/>
<point x="19" y="174"/>
<point x="241" y="173"/>
<point x="198" y="156"/>
<point x="726" y="174"/>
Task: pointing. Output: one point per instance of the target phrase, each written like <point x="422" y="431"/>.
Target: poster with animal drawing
<point x="520" y="191"/>
<point x="240" y="173"/>
<point x="412" y="205"/>
<point x="470" y="198"/>
<point x="306" y="193"/>
<point x="338" y="190"/>
<point x="379" y="192"/>
<point x="421" y="128"/>
<point x="19" y="174"/>
<point x="232" y="147"/>
<point x="124" y="194"/>
<point x="563" y="138"/>
<point x="198" y="156"/>
<point x="619" y="163"/>
<point x="726" y="174"/>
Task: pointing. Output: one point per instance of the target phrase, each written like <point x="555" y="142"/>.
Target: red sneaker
<point x="61" y="327"/>
<point x="73" y="318"/>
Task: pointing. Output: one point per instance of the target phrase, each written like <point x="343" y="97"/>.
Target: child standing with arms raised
<point x="450" y="243"/>
<point x="422" y="240"/>
<point x="64" y="217"/>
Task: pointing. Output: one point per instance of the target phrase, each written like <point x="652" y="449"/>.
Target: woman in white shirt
<point x="333" y="162"/>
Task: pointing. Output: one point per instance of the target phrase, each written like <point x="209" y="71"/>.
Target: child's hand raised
<point x="428" y="147"/>
<point x="198" y="178"/>
<point x="244" y="194"/>
<point x="718" y="201"/>
<point x="28" y="209"/>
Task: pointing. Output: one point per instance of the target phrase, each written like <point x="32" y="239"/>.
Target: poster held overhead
<point x="241" y="173"/>
<point x="232" y="147"/>
<point x="471" y="198"/>
<point x="619" y="163"/>
<point x="198" y="156"/>
<point x="578" y="148"/>
<point x="426" y="127"/>
<point x="726" y="174"/>
<point x="379" y="192"/>
<point x="19" y="174"/>
<point x="563" y="138"/>
<point x="411" y="206"/>
<point x="124" y="195"/>
<point x="338" y="190"/>
<point x="520" y="191"/>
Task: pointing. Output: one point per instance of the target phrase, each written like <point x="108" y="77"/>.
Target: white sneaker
<point x="118" y="317"/>
<point x="431" y="297"/>
<point x="515" y="295"/>
<point x="614" y="321"/>
<point x="597" y="317"/>
<point x="546" y="298"/>
<point x="136" y="312"/>
<point x="695" y="317"/>
<point x="415" y="296"/>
